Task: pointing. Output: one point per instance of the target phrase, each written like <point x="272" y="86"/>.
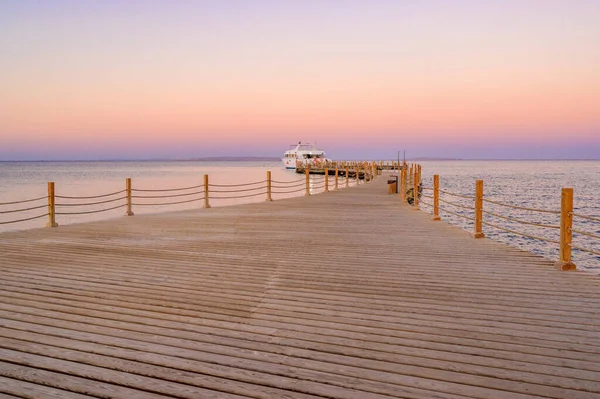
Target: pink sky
<point x="131" y="80"/>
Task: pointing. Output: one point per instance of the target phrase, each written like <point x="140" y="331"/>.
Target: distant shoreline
<point x="277" y="159"/>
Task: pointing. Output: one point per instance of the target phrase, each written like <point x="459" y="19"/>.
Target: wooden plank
<point x="24" y="389"/>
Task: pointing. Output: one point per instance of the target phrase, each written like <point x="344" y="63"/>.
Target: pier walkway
<point x="347" y="294"/>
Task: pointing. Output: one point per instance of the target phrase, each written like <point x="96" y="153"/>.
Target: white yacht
<point x="303" y="153"/>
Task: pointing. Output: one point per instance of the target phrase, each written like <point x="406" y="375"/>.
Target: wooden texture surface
<point x="348" y="294"/>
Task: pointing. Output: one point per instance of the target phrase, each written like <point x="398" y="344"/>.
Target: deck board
<point x="348" y="294"/>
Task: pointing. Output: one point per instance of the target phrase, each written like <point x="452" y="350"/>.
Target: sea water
<point x="530" y="184"/>
<point x="526" y="184"/>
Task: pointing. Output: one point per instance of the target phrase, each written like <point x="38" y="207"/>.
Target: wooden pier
<point x="348" y="294"/>
<point x="362" y="175"/>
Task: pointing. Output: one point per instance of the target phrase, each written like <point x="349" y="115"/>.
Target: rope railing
<point x="90" y="212"/>
<point x="457" y="195"/>
<point x="23" y="209"/>
<point x="23" y="201"/>
<point x="71" y="205"/>
<point x="457" y="214"/>
<point x="549" y="226"/>
<point x="566" y="214"/>
<point x="429" y="204"/>
<point x="521" y="233"/>
<point x="288" y="182"/>
<point x="238" y="196"/>
<point x="585" y="217"/>
<point x="288" y="192"/>
<point x="591" y="251"/>
<point x="168" y="203"/>
<point x="585" y="233"/>
<point x="24" y="219"/>
<point x="455" y="204"/>
<point x="238" y="185"/>
<point x="169" y="195"/>
<point x="91" y="196"/>
<point x="166" y="189"/>
<point x="237" y="191"/>
<point x="302" y="184"/>
<point x="90" y="203"/>
<point x="522" y="208"/>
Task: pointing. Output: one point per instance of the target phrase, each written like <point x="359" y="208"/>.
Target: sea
<point x="525" y="184"/>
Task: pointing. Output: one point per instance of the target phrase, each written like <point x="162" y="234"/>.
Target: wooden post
<point x="357" y="168"/>
<point x="128" y="195"/>
<point x="416" y="189"/>
<point x="307" y="183"/>
<point x="336" y="178"/>
<point x="206" y="202"/>
<point x="566" y="235"/>
<point x="436" y="198"/>
<point x="402" y="188"/>
<point x="269" y="186"/>
<point x="51" y="206"/>
<point x="478" y="233"/>
<point x="326" y="180"/>
<point x="347" y="177"/>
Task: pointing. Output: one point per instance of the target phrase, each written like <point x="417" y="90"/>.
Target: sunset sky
<point x="140" y="79"/>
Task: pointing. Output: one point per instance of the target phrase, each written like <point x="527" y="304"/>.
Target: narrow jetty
<point x="348" y="294"/>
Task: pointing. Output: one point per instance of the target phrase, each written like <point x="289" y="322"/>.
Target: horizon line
<point x="274" y="158"/>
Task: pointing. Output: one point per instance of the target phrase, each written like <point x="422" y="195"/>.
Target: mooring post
<point x="566" y="234"/>
<point x="436" y="198"/>
<point x="206" y="202"/>
<point x="478" y="233"/>
<point x="307" y="182"/>
<point x="51" y="206"/>
<point x="269" y="186"/>
<point x="128" y="196"/>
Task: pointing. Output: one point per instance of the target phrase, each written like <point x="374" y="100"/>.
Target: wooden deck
<point x="348" y="294"/>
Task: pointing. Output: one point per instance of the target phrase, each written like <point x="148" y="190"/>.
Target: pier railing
<point x="55" y="205"/>
<point x="556" y="227"/>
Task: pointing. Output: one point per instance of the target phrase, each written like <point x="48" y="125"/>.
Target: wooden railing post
<point x="402" y="188"/>
<point x="478" y="233"/>
<point x="357" y="168"/>
<point x="51" y="206"/>
<point x="566" y="234"/>
<point x="347" y="177"/>
<point x="326" y="180"/>
<point x="415" y="189"/>
<point x="206" y="201"/>
<point x="436" y="198"/>
<point x="336" y="178"/>
<point x="307" y="183"/>
<point x="269" y="186"/>
<point x="128" y="196"/>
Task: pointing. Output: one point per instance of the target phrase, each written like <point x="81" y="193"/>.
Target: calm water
<point x="531" y="184"/>
<point x="25" y="180"/>
<point x="534" y="184"/>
